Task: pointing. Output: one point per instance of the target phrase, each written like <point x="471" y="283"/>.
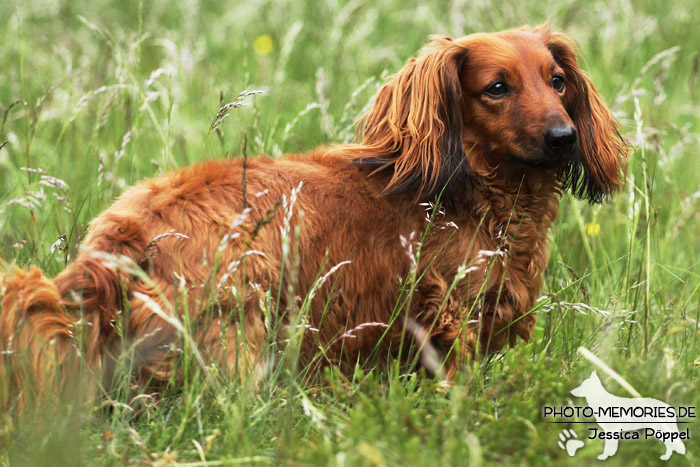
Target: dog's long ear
<point x="415" y="126"/>
<point x="603" y="151"/>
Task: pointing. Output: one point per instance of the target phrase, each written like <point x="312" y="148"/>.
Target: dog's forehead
<point x="514" y="51"/>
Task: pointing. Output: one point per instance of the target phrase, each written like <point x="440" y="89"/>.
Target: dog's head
<point x="591" y="386"/>
<point x="515" y="99"/>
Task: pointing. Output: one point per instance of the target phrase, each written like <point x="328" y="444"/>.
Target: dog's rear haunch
<point x="481" y="134"/>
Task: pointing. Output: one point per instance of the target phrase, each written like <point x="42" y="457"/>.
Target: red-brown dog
<point x="488" y="129"/>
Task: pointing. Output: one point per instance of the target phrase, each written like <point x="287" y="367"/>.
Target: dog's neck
<point x="520" y="197"/>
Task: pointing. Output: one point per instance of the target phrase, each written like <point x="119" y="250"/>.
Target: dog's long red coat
<point x="432" y="136"/>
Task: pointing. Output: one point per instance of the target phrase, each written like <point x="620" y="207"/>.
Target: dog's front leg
<point x="609" y="449"/>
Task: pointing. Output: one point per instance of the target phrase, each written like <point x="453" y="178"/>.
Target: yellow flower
<point x="263" y="45"/>
<point x="592" y="229"/>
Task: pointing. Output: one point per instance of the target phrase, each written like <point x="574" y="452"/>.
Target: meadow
<point x="97" y="95"/>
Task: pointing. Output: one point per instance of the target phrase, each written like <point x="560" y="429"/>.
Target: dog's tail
<point x="53" y="332"/>
<point x="38" y="348"/>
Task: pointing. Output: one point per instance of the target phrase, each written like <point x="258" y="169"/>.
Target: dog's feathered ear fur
<point x="603" y="151"/>
<point x="415" y="127"/>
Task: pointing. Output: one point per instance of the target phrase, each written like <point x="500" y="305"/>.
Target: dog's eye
<point x="497" y="90"/>
<point x="558" y="83"/>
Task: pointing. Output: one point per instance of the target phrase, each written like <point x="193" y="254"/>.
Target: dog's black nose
<point x="560" y="139"/>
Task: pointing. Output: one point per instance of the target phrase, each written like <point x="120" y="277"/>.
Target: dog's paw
<point x="568" y="442"/>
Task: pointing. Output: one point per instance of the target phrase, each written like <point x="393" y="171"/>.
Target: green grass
<point x="103" y="93"/>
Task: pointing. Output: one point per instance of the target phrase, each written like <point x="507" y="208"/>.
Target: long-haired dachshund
<point x="434" y="222"/>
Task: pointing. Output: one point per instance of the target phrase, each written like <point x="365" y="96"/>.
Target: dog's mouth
<point x="545" y="162"/>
